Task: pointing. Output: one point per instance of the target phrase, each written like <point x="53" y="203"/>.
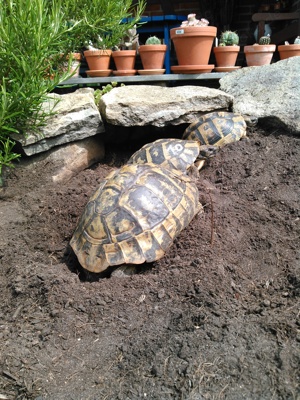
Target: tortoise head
<point x="207" y="151"/>
<point x="250" y="120"/>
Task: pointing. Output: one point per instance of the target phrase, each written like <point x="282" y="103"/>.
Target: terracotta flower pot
<point x="124" y="59"/>
<point x="76" y="64"/>
<point x="288" y="50"/>
<point x="259" y="54"/>
<point x="153" y="55"/>
<point x="193" y="44"/>
<point x="98" y="59"/>
<point x="74" y="68"/>
<point x="226" y="55"/>
<point x="76" y="56"/>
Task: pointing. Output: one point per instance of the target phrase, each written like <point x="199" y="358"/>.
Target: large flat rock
<point x="140" y="105"/>
<point x="76" y="117"/>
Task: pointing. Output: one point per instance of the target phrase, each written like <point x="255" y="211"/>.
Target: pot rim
<point x="193" y="31"/>
<point x="226" y="49"/>
<point x="261" y="48"/>
<point x="152" y="47"/>
<point x="289" y="47"/>
<point x="103" y="52"/>
<point x="123" y="53"/>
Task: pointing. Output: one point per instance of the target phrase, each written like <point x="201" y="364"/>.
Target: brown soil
<point x="216" y="318"/>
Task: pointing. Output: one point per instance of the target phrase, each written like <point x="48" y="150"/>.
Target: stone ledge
<point x="168" y="79"/>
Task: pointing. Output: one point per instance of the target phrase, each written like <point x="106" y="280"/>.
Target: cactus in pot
<point x="297" y="40"/>
<point x="229" y="38"/>
<point x="152" y="55"/>
<point x="289" y="50"/>
<point x="227" y="51"/>
<point x="260" y="53"/>
<point x="265" y="40"/>
<point x="153" y="40"/>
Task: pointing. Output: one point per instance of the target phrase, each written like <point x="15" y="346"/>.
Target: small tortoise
<point x="174" y="153"/>
<point x="138" y="210"/>
<point x="218" y="128"/>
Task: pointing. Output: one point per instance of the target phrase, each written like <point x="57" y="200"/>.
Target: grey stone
<point x="140" y="105"/>
<point x="270" y="92"/>
<point x="74" y="157"/>
<point x="76" y="117"/>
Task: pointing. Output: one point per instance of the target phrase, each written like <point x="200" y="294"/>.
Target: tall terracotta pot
<point x="226" y="55"/>
<point x="153" y="55"/>
<point x="259" y="54"/>
<point x="193" y="45"/>
<point x="74" y="68"/>
<point x="98" y="60"/>
<point x="76" y="64"/>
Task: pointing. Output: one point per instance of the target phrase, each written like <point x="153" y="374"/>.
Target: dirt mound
<point x="216" y="318"/>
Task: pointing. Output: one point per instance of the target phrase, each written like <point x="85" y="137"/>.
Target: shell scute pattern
<point x="149" y="207"/>
<point x="107" y="200"/>
<point x="171" y="153"/>
<point x="121" y="224"/>
<point x="217" y="128"/>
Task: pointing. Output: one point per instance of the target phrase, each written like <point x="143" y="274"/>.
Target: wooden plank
<point x="292" y="30"/>
<point x="275" y="16"/>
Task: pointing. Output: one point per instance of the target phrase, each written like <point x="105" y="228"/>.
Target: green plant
<point x="102" y="24"/>
<point x="297" y="40"/>
<point x="153" y="40"/>
<point x="229" y="38"/>
<point x="264" y="40"/>
<point x="98" y="93"/>
<point x="32" y="33"/>
<point x="6" y="156"/>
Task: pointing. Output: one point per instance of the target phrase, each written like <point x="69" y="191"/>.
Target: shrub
<point x="36" y="37"/>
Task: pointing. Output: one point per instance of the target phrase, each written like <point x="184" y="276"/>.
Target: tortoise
<point x="219" y="128"/>
<point x="137" y="211"/>
<point x="174" y="153"/>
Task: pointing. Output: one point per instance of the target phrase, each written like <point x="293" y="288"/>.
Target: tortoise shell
<point x="134" y="216"/>
<point x="171" y="153"/>
<point x="217" y="128"/>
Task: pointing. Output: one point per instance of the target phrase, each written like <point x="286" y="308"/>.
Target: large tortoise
<point x="219" y="128"/>
<point x="138" y="210"/>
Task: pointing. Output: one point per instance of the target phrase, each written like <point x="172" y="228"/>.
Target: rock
<point x="140" y="105"/>
<point x="75" y="157"/>
<point x="270" y="92"/>
<point x="76" y="118"/>
<point x="61" y="163"/>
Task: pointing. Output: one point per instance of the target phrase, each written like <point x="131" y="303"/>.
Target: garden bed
<point x="216" y="318"/>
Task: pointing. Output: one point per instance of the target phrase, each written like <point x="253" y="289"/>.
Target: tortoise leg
<point x="199" y="164"/>
<point x="124" y="270"/>
<point x="206" y="152"/>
